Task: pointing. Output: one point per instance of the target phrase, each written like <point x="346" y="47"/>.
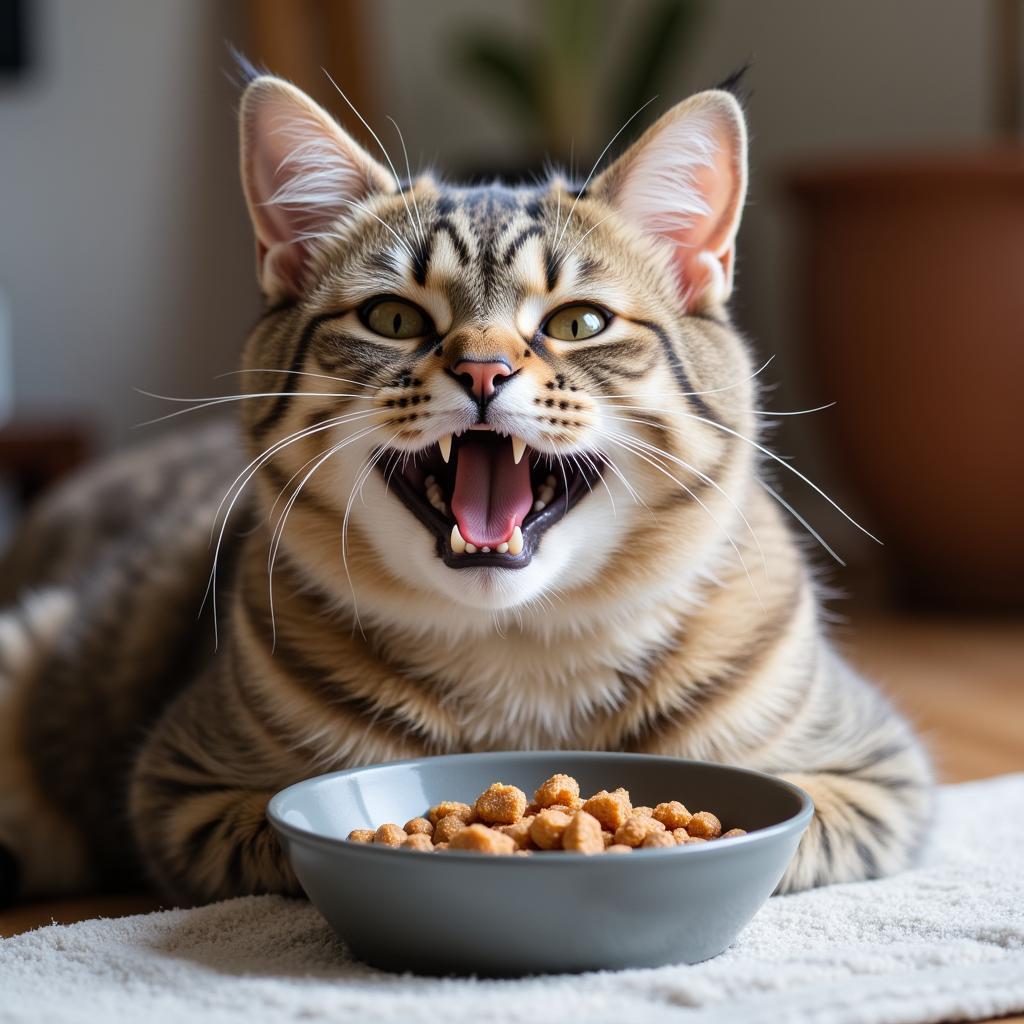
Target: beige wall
<point x="124" y="249"/>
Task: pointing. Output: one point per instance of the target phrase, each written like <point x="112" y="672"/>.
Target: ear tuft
<point x="684" y="181"/>
<point x="301" y="173"/>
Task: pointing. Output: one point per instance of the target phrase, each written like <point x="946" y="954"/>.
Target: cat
<point x="503" y="491"/>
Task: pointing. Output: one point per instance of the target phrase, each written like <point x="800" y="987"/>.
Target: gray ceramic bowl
<point x="451" y="913"/>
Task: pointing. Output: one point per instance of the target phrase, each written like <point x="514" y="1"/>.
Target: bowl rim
<point x="798" y="821"/>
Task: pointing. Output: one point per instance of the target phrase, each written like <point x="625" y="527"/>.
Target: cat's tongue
<point x="492" y="494"/>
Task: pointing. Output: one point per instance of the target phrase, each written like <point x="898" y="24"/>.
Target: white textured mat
<point x="943" y="942"/>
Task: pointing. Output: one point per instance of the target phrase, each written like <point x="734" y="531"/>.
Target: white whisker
<point x="682" y="463"/>
<point x="597" y="163"/>
<point x="800" y="519"/>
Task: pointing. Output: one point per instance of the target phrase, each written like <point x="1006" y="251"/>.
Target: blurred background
<point x="881" y="260"/>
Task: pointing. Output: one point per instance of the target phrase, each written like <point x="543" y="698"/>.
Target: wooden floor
<point x="961" y="683"/>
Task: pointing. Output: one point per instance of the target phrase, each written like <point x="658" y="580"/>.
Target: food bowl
<point x="466" y="913"/>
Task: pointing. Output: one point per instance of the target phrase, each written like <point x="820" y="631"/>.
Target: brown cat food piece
<point x="548" y="827"/>
<point x="693" y="839"/>
<point x="532" y="809"/>
<point x="440" y="846"/>
<point x="619" y="848"/>
<point x="607" y="838"/>
<point x="390" y="835"/>
<point x="611" y="809"/>
<point x="523" y="853"/>
<point x="447" y="827"/>
<point x="559" y="789"/>
<point x="680" y="835"/>
<point x="672" y="815"/>
<point x="658" y="839"/>
<point x="499" y="804"/>
<point x="733" y="832"/>
<point x="519" y="832"/>
<point x="450" y="807"/>
<point x="643" y="812"/>
<point x="418" y="841"/>
<point x="481" y="839"/>
<point x="361" y="835"/>
<point x="704" y="825"/>
<point x="634" y="830"/>
<point x="419" y="827"/>
<point x="583" y="834"/>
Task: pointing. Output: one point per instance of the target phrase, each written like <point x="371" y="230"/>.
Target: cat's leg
<point x="41" y="852"/>
<point x="870" y="780"/>
<point x="198" y="800"/>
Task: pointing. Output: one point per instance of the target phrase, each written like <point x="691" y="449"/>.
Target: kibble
<point x="583" y="834"/>
<point x="500" y="804"/>
<point x="654" y="839"/>
<point x="672" y="815"/>
<point x="390" y="835"/>
<point x="504" y="821"/>
<point x="418" y="841"/>
<point x="611" y="809"/>
<point x="704" y="825"/>
<point x="634" y="830"/>
<point x="559" y="789"/>
<point x="448" y="808"/>
<point x="548" y="827"/>
<point x="447" y="827"/>
<point x="481" y="839"/>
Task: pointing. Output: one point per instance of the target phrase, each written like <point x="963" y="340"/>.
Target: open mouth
<point x="489" y="497"/>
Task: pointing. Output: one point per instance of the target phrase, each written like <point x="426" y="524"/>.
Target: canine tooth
<point x="518" y="447"/>
<point x="546" y="493"/>
<point x="515" y="542"/>
<point x="445" y="444"/>
<point x="502" y="548"/>
<point x="485" y="549"/>
<point x="539" y="505"/>
<point x="470" y="549"/>
<point x="458" y="544"/>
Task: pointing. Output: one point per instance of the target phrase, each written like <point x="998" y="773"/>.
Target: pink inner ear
<point x="705" y="245"/>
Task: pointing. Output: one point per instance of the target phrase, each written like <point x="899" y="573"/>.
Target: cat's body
<point x="669" y="610"/>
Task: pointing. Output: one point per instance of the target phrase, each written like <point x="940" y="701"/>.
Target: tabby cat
<point x="504" y="492"/>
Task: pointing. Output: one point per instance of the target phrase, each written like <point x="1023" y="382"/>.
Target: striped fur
<point x="670" y="611"/>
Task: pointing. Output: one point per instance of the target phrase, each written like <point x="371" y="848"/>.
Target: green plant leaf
<point x="508" y="69"/>
<point x="671" y="24"/>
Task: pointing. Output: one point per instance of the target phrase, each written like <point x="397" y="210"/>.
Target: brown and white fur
<point x="670" y="610"/>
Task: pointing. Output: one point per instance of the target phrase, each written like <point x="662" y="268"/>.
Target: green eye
<point x="575" y="323"/>
<point x="392" y="318"/>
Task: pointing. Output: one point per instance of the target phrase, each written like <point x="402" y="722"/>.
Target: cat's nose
<point x="481" y="379"/>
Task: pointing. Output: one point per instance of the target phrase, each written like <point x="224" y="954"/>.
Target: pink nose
<point x="478" y="378"/>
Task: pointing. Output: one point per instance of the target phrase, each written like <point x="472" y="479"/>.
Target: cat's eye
<point x="395" y="319"/>
<point x="575" y="323"/>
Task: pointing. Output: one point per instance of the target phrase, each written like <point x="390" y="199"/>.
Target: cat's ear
<point x="685" y="180"/>
<point x="300" y="172"/>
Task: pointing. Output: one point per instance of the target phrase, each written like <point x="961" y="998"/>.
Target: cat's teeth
<point x="546" y="494"/>
<point x="485" y="549"/>
<point x="458" y="544"/>
<point x="550" y="482"/>
<point x="470" y="549"/>
<point x="502" y="548"/>
<point x="515" y="542"/>
<point x="539" y="506"/>
<point x="445" y="444"/>
<point x="518" y="447"/>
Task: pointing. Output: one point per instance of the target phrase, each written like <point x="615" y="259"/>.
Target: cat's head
<point x="488" y="394"/>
